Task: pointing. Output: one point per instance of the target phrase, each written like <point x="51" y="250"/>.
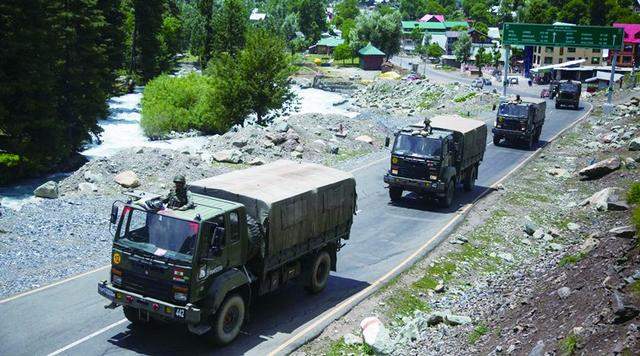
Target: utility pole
<point x="612" y="77"/>
<point x="505" y="68"/>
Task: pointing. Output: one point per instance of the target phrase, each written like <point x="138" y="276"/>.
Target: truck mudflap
<point x="183" y="314"/>
<point x="510" y="134"/>
<point x="417" y="185"/>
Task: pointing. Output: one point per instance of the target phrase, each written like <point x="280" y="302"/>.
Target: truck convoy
<point x="246" y="234"/>
<point x="568" y="94"/>
<point x="432" y="157"/>
<point x="520" y="120"/>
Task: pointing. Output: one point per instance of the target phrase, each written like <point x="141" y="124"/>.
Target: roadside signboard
<point x="562" y="35"/>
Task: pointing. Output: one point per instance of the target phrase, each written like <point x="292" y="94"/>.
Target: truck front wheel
<point x="470" y="179"/>
<point x="395" y="193"/>
<point x="496" y="140"/>
<point x="226" y="323"/>
<point x="319" y="273"/>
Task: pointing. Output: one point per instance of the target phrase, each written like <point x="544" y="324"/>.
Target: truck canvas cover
<point x="291" y="200"/>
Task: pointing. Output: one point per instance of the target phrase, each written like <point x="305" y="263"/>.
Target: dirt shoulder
<point x="531" y="269"/>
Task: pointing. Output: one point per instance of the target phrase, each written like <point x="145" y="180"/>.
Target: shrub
<point x="633" y="194"/>
<point x="635" y="218"/>
<point x="181" y="104"/>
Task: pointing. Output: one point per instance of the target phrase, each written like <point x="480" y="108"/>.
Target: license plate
<point x="179" y="313"/>
<point x="103" y="290"/>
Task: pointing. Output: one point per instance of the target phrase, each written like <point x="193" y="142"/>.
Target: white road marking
<point x="76" y="343"/>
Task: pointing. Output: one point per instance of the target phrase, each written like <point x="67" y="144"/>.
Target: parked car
<point x="486" y="81"/>
<point x="513" y="80"/>
<point x="477" y="83"/>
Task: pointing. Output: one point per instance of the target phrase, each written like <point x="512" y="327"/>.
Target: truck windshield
<point x="515" y="110"/>
<point x="158" y="234"/>
<point x="409" y="145"/>
<point x="569" y="87"/>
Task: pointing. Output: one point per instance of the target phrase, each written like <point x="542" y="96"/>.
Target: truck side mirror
<point x="387" y="141"/>
<point x="114" y="215"/>
<point x="493" y="108"/>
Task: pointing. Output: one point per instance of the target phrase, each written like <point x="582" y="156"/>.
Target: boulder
<point x="455" y="320"/>
<point x="376" y="335"/>
<point x="558" y="172"/>
<point x="537" y="350"/>
<point x="623" y="312"/>
<point x="600" y="169"/>
<point x="281" y="126"/>
<point x="48" y="190"/>
<point x="634" y="145"/>
<point x="256" y="162"/>
<point x="296" y="154"/>
<point x="350" y="339"/>
<point x="630" y="163"/>
<point x="228" y="156"/>
<point x="530" y="227"/>
<point x="85" y="187"/>
<point x="606" y="199"/>
<point x="92" y="177"/>
<point x="564" y="292"/>
<point x="276" y="138"/>
<point x="240" y="142"/>
<point x="627" y="232"/>
<point x="365" y="139"/>
<point x="127" y="179"/>
<point x="573" y="226"/>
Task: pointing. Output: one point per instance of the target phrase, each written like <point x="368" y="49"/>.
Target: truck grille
<point x="413" y="170"/>
<point x="511" y="125"/>
<point x="140" y="284"/>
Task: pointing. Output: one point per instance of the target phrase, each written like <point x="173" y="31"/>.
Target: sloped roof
<point x="410" y="25"/>
<point x="450" y="24"/>
<point x="370" y="50"/>
<point x="631" y="31"/>
<point x="429" y="17"/>
<point x="332" y="41"/>
<point x="605" y="76"/>
<point x="494" y="33"/>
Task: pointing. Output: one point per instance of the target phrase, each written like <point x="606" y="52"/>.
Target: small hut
<point x="371" y="58"/>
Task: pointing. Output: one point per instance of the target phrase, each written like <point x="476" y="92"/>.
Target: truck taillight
<point x="180" y="293"/>
<point x="116" y="276"/>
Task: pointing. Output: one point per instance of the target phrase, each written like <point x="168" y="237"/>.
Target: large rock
<point x="281" y="125"/>
<point x="606" y="199"/>
<point x="627" y="232"/>
<point x="365" y="139"/>
<point x="600" y="169"/>
<point x="623" y="312"/>
<point x="376" y="335"/>
<point x="634" y="145"/>
<point x="92" y="177"/>
<point x="228" y="156"/>
<point x="48" y="190"/>
<point x="127" y="179"/>
<point x="86" y="187"/>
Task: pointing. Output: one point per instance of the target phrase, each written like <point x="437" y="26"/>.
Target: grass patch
<point x="568" y="345"/>
<point x="477" y="333"/>
<point x="429" y="99"/>
<point x="448" y="68"/>
<point x="524" y="197"/>
<point x="634" y="288"/>
<point x="633" y="194"/>
<point x="571" y="259"/>
<point x="635" y="218"/>
<point x="405" y="303"/>
<point x="465" y="97"/>
<point x="339" y="348"/>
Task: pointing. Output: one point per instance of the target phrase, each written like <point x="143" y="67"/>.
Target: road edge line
<point x="315" y="329"/>
<point x="90" y="336"/>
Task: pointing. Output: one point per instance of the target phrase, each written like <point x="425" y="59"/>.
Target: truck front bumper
<point x="183" y="314"/>
<point x="416" y="185"/>
<point x="510" y="134"/>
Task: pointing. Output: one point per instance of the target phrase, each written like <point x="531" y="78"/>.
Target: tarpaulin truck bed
<point x="295" y="203"/>
<point x="470" y="134"/>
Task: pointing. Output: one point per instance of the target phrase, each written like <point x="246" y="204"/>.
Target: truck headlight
<point x="433" y="177"/>
<point x="394" y="171"/>
<point x="116" y="279"/>
<point x="181" y="297"/>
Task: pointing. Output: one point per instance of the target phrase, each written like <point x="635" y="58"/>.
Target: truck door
<point x="234" y="247"/>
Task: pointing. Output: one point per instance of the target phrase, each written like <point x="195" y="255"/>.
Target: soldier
<point x="178" y="198"/>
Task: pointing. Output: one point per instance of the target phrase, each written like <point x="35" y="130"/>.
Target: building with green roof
<point x="371" y="58"/>
<point x="326" y="45"/>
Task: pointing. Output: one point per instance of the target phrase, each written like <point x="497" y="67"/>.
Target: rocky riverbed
<point x="547" y="264"/>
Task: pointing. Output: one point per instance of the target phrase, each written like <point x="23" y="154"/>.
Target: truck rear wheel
<point x="319" y="273"/>
<point x="131" y="314"/>
<point x="395" y="193"/>
<point x="538" y="133"/>
<point x="226" y="323"/>
<point x="445" y="202"/>
<point x="496" y="140"/>
<point x="470" y="179"/>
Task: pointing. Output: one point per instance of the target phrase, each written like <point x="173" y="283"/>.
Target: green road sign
<point x="528" y="34"/>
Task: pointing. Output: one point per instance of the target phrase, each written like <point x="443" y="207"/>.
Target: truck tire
<point x="470" y="179"/>
<point x="395" y="194"/>
<point x="538" y="133"/>
<point x="576" y="106"/>
<point x="319" y="273"/>
<point x="447" y="200"/>
<point x="131" y="314"/>
<point x="557" y="106"/>
<point x="227" y="321"/>
<point x="496" y="140"/>
<point x="256" y="238"/>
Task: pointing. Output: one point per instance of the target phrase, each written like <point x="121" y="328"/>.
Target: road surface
<point x="69" y="317"/>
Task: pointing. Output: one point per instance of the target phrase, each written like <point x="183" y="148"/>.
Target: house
<point x="326" y="45"/>
<point x="371" y="58"/>
<point x="601" y="80"/>
<point x="432" y="18"/>
<point x="629" y="56"/>
<point x="494" y="33"/>
<point x="432" y="24"/>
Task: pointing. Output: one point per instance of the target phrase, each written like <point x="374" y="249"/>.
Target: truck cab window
<point x="234" y="230"/>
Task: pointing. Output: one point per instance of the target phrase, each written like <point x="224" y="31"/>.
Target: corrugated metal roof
<point x="332" y="41"/>
<point x="370" y="50"/>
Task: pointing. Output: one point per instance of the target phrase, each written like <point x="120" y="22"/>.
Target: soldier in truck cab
<point x="178" y="198"/>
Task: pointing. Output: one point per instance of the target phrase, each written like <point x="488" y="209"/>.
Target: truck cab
<point x="520" y="120"/>
<point x="431" y="158"/>
<point x="568" y="94"/>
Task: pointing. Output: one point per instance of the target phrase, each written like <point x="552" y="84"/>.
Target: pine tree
<point x="229" y="25"/>
<point x="147" y="44"/>
<point x="112" y="37"/>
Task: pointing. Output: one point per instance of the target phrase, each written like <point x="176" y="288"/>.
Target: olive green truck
<point x="247" y="233"/>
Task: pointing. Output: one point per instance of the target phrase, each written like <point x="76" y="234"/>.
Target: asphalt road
<point x="70" y="318"/>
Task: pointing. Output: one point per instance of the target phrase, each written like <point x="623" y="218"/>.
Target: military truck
<point x="568" y="94"/>
<point x="247" y="234"/>
<point x="520" y="120"/>
<point x="432" y="157"/>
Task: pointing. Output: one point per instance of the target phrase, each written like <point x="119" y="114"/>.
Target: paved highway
<point x="69" y="317"/>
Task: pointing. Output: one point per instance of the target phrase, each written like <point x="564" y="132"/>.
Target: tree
<point x="539" y="11"/>
<point x="148" y="22"/>
<point x="229" y="25"/>
<point x="343" y="52"/>
<point x="576" y="12"/>
<point x="482" y="59"/>
<point x="416" y="36"/>
<point x="113" y="38"/>
<point x="203" y="31"/>
<point x="497" y="56"/>
<point x="347" y="26"/>
<point x="346" y="10"/>
<point x="383" y="31"/>
<point x="434" y="7"/>
<point x="479" y="12"/>
<point x="462" y="48"/>
<point x="434" y="50"/>
<point x="412" y="9"/>
<point x="312" y="18"/>
<point x="265" y="67"/>
<point x="481" y="27"/>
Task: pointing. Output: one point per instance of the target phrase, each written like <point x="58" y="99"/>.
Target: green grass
<point x="635" y="218"/>
<point x="521" y="197"/>
<point x="465" y="97"/>
<point x="339" y="348"/>
<point x="477" y="333"/>
<point x="633" y="194"/>
<point x="571" y="259"/>
<point x="429" y="99"/>
<point x="405" y="303"/>
<point x="448" y="68"/>
<point x="568" y="345"/>
<point x="634" y="288"/>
